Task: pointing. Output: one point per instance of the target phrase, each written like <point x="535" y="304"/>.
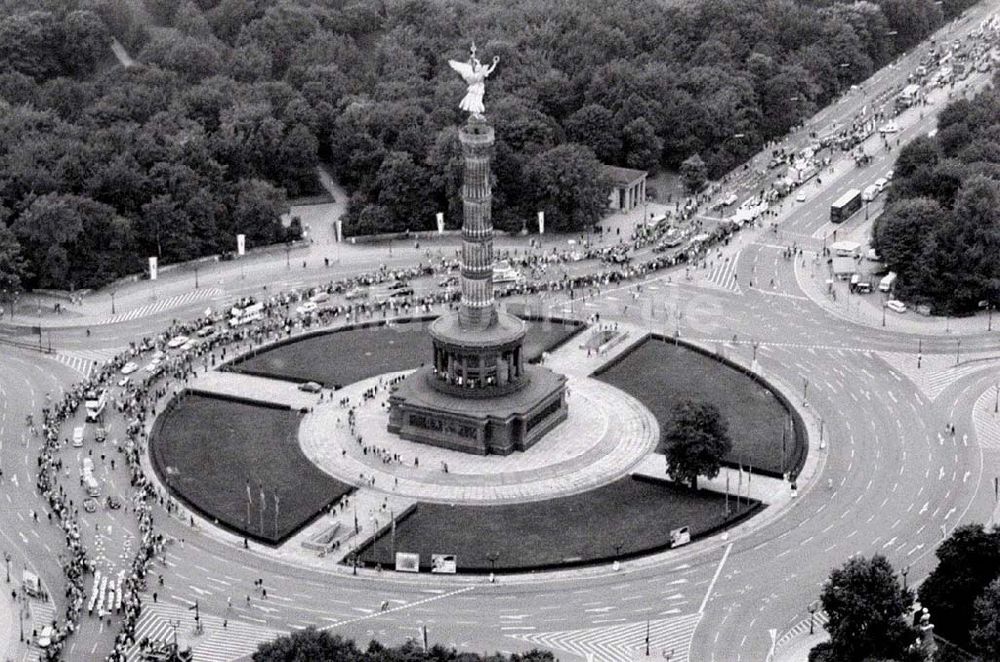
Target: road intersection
<point x="892" y="480"/>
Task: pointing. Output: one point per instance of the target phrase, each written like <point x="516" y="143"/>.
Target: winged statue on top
<point x="474" y="73"/>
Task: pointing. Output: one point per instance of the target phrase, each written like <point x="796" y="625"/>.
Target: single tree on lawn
<point x="985" y="633"/>
<point x="697" y="440"/>
<point x="868" y="610"/>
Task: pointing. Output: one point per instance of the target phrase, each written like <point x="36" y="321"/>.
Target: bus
<point x="845" y="206"/>
<point x="95" y="400"/>
<point x="240" y="315"/>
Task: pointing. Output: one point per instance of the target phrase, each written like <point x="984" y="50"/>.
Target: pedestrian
<point x="154" y="597"/>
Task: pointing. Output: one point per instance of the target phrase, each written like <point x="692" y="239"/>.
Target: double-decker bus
<point x="845" y="206"/>
<point x="95" y="400"/>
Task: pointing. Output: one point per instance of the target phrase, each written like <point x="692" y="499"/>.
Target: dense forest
<point x="232" y="103"/>
<point x="940" y="231"/>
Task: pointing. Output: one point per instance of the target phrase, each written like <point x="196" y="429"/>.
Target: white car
<point x="152" y="366"/>
<point x="123" y="381"/>
<point x="188" y="345"/>
<point x="888" y="175"/>
<point x="895" y="306"/>
<point x="158" y="355"/>
<point x="177" y="341"/>
<point x="800" y="197"/>
<point x="306" y="308"/>
<point x="78" y="437"/>
<point x="129" y="368"/>
<point x="889" y="127"/>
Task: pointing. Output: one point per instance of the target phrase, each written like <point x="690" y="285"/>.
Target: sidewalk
<point x="10" y="647"/>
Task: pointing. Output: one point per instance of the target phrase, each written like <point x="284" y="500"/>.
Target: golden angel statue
<point x="474" y="73"/>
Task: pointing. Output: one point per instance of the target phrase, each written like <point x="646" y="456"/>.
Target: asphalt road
<point x="891" y="480"/>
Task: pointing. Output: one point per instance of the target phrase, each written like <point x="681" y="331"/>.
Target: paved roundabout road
<point x="887" y="478"/>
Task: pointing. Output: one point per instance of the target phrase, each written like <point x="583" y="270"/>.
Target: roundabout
<point x="888" y="480"/>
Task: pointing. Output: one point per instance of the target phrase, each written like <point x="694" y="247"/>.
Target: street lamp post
<point x="812" y="619"/>
<point x="996" y="400"/>
<point x="196" y="277"/>
<point x="883" y="314"/>
<point x="113" y="302"/>
<point x="6" y="558"/>
<point x="805" y="388"/>
<point x="958" y="352"/>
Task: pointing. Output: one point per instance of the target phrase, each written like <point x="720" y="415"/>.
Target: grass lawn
<point x="637" y="514"/>
<point x="339" y="358"/>
<point x="659" y="375"/>
<point x="206" y="448"/>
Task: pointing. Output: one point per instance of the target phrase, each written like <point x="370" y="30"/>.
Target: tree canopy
<point x="968" y="561"/>
<point x="940" y="231"/>
<point x="867" y="611"/>
<point x="312" y="645"/>
<point x="696" y="441"/>
<point x="229" y="94"/>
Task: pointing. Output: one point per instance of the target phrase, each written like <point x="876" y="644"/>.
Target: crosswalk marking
<point x="42" y="614"/>
<point x="623" y="642"/>
<point x="802" y="627"/>
<point x="238" y="639"/>
<point x="937" y="372"/>
<point x="84" y="361"/>
<point x="164" y="304"/>
<point x="724" y="274"/>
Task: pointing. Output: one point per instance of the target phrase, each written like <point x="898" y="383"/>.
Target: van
<point x="92" y="486"/>
<point x="881" y="183"/>
<point x="869" y="193"/>
<point x="88" y="465"/>
<point x="78" y="437"/>
<point x="895" y="306"/>
<point x="863" y="287"/>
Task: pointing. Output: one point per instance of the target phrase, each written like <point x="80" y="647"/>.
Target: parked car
<point x="310" y="387"/>
<point x="895" y="306"/>
<point x="129" y="368"/>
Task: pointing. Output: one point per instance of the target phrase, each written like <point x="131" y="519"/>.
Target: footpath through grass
<point x="207" y="448"/>
<point x="660" y="375"/>
<point x="635" y="514"/>
<point x="343" y="357"/>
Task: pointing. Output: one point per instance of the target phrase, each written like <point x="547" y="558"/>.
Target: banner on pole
<point x="444" y="563"/>
<point x="241" y="244"/>
<point x="407" y="562"/>
<point x="541" y="222"/>
<point x="440" y="222"/>
<point x="152" y="268"/>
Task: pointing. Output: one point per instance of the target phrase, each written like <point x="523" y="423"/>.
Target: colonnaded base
<point x="497" y="425"/>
